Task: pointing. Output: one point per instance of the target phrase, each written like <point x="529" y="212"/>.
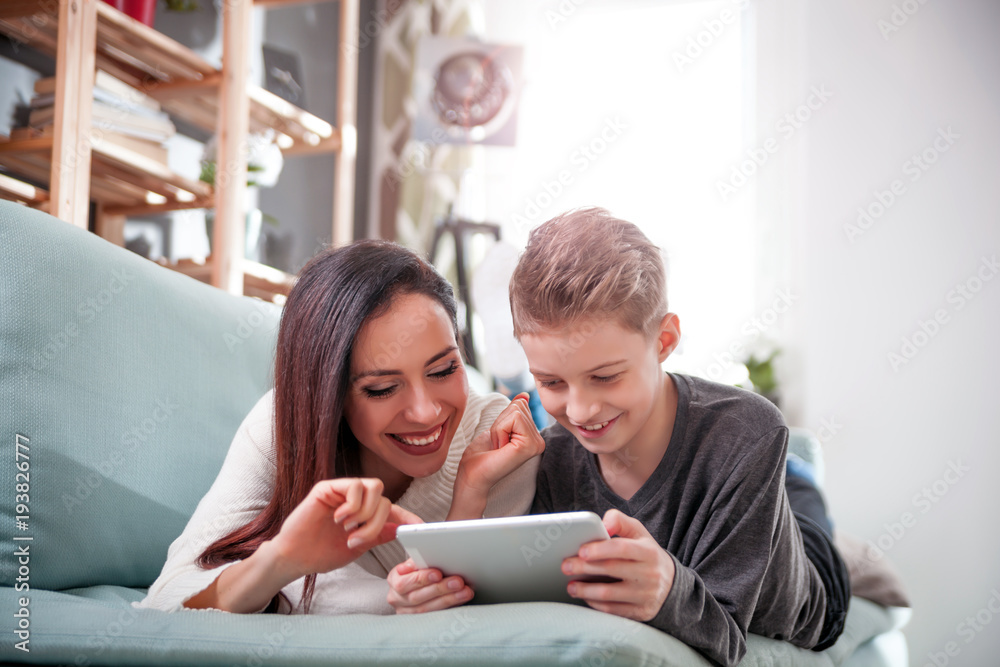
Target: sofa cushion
<point x="124" y="383"/>
<point x="531" y="633"/>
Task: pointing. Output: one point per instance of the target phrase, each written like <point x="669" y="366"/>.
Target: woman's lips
<point x="422" y="442"/>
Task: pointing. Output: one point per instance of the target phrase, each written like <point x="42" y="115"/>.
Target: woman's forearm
<point x="466" y="503"/>
<point x="248" y="586"/>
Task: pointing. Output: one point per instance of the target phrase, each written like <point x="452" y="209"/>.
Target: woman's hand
<point x="512" y="440"/>
<point x="336" y="523"/>
<point x="414" y="591"/>
<point x="646" y="571"/>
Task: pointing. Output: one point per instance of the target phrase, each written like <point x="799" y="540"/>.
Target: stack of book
<point x="120" y="115"/>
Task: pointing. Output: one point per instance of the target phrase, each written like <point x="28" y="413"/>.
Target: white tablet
<point x="509" y="559"/>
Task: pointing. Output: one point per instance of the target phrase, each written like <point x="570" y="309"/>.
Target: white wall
<point x="899" y="430"/>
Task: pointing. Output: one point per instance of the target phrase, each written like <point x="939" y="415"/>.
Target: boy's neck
<point x="630" y="467"/>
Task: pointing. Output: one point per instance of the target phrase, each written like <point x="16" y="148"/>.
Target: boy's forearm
<point x="246" y="587"/>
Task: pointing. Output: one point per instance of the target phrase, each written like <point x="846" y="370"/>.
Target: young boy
<point x="688" y="474"/>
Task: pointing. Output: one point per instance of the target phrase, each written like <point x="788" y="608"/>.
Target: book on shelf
<point x="106" y="87"/>
<point x="108" y="118"/>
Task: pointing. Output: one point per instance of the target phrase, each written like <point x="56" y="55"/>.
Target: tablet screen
<point x="509" y="559"/>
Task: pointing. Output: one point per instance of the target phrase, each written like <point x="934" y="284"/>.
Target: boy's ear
<point x="668" y="335"/>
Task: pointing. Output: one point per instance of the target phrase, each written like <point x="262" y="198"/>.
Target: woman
<point x="370" y="424"/>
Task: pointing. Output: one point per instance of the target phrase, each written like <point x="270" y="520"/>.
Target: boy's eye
<point x="549" y="384"/>
<point x="379" y="392"/>
<point x="607" y="378"/>
<point x="446" y="371"/>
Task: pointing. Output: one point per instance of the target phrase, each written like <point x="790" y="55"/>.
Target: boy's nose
<point x="581" y="407"/>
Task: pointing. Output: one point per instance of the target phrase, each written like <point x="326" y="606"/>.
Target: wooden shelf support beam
<point x="229" y="230"/>
<point x="75" y="62"/>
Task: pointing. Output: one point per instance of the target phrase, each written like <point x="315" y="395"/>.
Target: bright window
<point x="640" y="107"/>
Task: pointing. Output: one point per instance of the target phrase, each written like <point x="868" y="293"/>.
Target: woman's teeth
<point x="596" y="427"/>
<point x="417" y="442"/>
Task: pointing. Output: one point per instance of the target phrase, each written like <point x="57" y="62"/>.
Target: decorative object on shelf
<point x="264" y="160"/>
<point x="283" y="75"/>
<point x="182" y="5"/>
<point x="143" y="11"/>
<point x="466" y="91"/>
<point x="264" y="164"/>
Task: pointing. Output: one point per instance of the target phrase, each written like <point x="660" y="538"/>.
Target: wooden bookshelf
<point x="78" y="167"/>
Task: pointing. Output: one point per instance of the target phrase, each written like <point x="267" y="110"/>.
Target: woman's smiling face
<point x="407" y="392"/>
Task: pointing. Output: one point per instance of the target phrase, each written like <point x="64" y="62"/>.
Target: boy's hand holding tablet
<point x="645" y="570"/>
<point x="508" y="559"/>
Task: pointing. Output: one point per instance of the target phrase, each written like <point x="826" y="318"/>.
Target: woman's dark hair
<point x="335" y="294"/>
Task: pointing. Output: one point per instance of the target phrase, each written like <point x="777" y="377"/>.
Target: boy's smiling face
<point x="604" y="384"/>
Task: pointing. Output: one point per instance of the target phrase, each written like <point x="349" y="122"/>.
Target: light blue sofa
<point x="121" y="385"/>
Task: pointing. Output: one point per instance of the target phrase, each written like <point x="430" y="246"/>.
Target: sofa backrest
<point x="122" y="384"/>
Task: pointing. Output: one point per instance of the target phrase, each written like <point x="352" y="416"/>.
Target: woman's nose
<point x="423" y="407"/>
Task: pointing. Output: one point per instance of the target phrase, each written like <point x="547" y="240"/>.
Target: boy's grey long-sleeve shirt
<point x="717" y="504"/>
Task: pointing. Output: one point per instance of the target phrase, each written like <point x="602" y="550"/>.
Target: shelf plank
<point x="259" y="280"/>
<point x="141" y="165"/>
<point x="19" y="191"/>
<point x="149" y="41"/>
<point x="12" y="9"/>
<point x="121" y="177"/>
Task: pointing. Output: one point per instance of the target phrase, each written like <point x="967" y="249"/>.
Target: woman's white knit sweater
<point x="244" y="487"/>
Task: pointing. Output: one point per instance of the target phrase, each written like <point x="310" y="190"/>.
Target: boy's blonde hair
<point x="587" y="264"/>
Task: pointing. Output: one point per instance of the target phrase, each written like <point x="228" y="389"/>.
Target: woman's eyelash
<point x="378" y="393"/>
<point x="447" y="371"/>
<point x="388" y="391"/>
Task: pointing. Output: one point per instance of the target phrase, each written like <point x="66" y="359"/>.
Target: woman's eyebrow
<point x="382" y="372"/>
<point x="443" y="353"/>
